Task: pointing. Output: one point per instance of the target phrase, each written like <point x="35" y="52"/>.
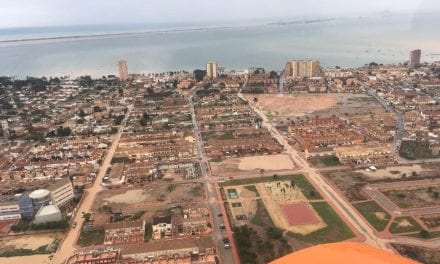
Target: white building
<point x="61" y="192"/>
<point x="9" y="211"/>
<point x="212" y="70"/>
<point x="48" y="213"/>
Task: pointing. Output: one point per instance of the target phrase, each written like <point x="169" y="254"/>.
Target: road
<point x="344" y="208"/>
<point x="214" y="199"/>
<point x="67" y="246"/>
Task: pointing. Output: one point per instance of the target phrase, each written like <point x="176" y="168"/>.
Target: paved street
<point x="67" y="246"/>
<point x="214" y="198"/>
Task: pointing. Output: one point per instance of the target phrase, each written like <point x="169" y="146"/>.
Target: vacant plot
<point x="248" y="166"/>
<point x="374" y="214"/>
<point x="350" y="183"/>
<point x="416" y="150"/>
<point x="394" y="172"/>
<point x="31" y="242"/>
<point x="335" y="230"/>
<point x="324" y="161"/>
<point x="91" y="238"/>
<point x="419" y="254"/>
<point x="133" y="200"/>
<point x="404" y="224"/>
<point x="416" y="197"/>
<point x="34" y="259"/>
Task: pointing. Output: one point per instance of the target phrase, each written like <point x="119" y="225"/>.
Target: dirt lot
<point x="250" y="166"/>
<point x="317" y="104"/>
<point x="35" y="259"/>
<point x="27" y="241"/>
<point x="135" y="199"/>
<point x="413" y="198"/>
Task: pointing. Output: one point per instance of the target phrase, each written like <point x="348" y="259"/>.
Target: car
<point x="217" y="261"/>
<point x="220" y="215"/>
<point x="222" y="227"/>
<point x="74" y="225"/>
<point x="226" y="243"/>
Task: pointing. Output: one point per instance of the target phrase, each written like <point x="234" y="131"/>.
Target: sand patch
<point x="131" y="196"/>
<point x="31" y="241"/>
<point x="381" y="216"/>
<point x="269" y="162"/>
<point x="245" y="193"/>
<point x="404" y="223"/>
<point x="35" y="259"/>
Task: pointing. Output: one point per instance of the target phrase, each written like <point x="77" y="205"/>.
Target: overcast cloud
<point x="25" y="13"/>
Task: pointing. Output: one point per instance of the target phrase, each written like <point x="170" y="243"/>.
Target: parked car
<point x="226" y="243"/>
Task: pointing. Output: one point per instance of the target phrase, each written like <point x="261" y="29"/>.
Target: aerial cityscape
<point x="309" y="161"/>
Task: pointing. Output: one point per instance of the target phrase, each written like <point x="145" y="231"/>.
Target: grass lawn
<point x="416" y="150"/>
<point x="336" y="229"/>
<point x="325" y="161"/>
<point x="262" y="217"/>
<point x="252" y="188"/>
<point x="413" y="227"/>
<point x="91" y="238"/>
<point x="369" y="209"/>
<point x="300" y="180"/>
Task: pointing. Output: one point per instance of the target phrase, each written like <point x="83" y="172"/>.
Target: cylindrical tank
<point x="39" y="198"/>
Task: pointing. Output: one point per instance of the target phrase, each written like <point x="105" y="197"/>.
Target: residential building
<point x="104" y="256"/>
<point x="299" y="69"/>
<point x="212" y="70"/>
<point x="162" y="227"/>
<point x="123" y="70"/>
<point x="61" y="192"/>
<point x="414" y="58"/>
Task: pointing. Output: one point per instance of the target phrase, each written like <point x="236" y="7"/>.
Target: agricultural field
<point x="324" y="161"/>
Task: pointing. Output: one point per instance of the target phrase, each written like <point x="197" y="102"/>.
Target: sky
<point x="31" y="13"/>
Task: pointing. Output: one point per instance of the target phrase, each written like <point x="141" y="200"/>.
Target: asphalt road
<point x="214" y="200"/>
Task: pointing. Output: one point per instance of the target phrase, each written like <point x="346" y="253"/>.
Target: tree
<point x="273" y="74"/>
<point x="82" y="113"/>
<point x="373" y="64"/>
<point x="261" y="171"/>
<point x="424" y="233"/>
<point x="255" y="100"/>
<point x="63" y="131"/>
<point x="86" y="216"/>
<point x="199" y="74"/>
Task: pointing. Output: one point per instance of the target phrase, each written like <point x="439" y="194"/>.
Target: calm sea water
<point x="344" y="42"/>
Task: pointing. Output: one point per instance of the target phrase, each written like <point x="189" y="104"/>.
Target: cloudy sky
<point x="25" y="13"/>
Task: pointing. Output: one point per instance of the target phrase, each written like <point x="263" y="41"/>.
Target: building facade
<point x="298" y="69"/>
<point x="61" y="192"/>
<point x="212" y="70"/>
<point x="414" y="58"/>
<point x="123" y="70"/>
<point x="9" y="211"/>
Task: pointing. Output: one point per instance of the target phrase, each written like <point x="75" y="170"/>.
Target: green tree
<point x="86" y="216"/>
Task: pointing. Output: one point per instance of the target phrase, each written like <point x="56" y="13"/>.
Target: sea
<point x="337" y="41"/>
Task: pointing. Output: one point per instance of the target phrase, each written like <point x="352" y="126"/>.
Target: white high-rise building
<point x="212" y="70"/>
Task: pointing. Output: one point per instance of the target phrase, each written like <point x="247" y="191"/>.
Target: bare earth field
<point x="415" y="197"/>
<point x="27" y="241"/>
<point x="321" y="104"/>
<point x="34" y="259"/>
<point x="133" y="200"/>
<point x="252" y="165"/>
